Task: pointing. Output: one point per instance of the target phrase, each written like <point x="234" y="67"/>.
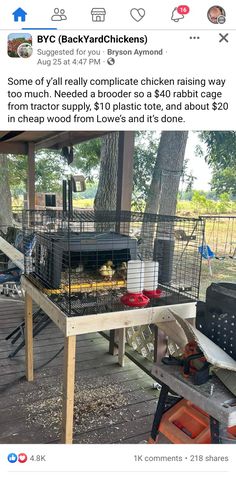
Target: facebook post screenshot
<point x="117" y="238"/>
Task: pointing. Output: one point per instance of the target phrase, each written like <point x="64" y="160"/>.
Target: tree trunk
<point x="107" y="186"/>
<point x="162" y="197"/>
<point x="163" y="193"/>
<point x="5" y="195"/>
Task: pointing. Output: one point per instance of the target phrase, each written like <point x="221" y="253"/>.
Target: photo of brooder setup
<point x="108" y="310"/>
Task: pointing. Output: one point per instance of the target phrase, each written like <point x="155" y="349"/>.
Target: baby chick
<point x="79" y="268"/>
<point x="109" y="263"/>
<point x="106" y="270"/>
<point x="122" y="270"/>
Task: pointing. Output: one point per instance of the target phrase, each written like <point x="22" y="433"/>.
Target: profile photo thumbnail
<point x="216" y="14"/>
<point x="19" y="45"/>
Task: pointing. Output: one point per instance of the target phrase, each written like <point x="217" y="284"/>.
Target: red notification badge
<point x="183" y="9"/>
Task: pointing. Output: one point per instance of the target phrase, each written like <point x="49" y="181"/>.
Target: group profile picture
<point x="216" y="14"/>
<point x="19" y="45"/>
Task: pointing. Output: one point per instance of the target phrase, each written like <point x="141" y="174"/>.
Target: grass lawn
<point x="222" y="270"/>
<point x="221" y="237"/>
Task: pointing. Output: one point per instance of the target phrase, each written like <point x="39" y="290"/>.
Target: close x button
<point x="223" y="37"/>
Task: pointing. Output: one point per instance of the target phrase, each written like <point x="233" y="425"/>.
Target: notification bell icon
<point x="176" y="16"/>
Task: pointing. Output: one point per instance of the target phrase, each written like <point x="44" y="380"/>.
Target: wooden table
<point x="73" y="326"/>
<point x="212" y="397"/>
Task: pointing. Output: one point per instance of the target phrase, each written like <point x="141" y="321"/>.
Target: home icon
<point x="98" y="14"/>
<point x="19" y="15"/>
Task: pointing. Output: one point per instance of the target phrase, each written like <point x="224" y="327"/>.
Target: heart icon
<point x="137" y="14"/>
<point x="22" y="458"/>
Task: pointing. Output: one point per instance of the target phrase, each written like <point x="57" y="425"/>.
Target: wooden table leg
<point x="113" y="350"/>
<point x="121" y="352"/>
<point x="68" y="390"/>
<point x="29" y="358"/>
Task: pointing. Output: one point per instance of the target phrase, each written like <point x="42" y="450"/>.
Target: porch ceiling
<point x="17" y="142"/>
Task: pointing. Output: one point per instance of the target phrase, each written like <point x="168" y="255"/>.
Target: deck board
<point x="113" y="404"/>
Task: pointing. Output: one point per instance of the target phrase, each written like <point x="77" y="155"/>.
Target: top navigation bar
<point x="128" y="15"/>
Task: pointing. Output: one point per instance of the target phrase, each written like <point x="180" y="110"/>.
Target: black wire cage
<point x="90" y="262"/>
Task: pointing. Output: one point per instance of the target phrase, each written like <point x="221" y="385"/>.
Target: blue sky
<point x="14" y="36"/>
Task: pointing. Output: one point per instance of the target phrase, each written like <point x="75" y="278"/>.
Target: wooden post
<point x="121" y="352"/>
<point x="31" y="177"/>
<point x="125" y="170"/>
<point x="124" y="190"/>
<point x="29" y="359"/>
<point x="68" y="390"/>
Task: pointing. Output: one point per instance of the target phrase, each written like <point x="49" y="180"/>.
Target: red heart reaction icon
<point x="22" y="458"/>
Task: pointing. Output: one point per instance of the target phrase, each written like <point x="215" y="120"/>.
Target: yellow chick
<point x="122" y="270"/>
<point x="106" y="271"/>
<point x="109" y="263"/>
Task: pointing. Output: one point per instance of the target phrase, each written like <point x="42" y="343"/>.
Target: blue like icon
<point x="12" y="458"/>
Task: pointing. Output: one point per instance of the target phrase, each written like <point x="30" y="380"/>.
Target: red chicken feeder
<point x="135" y="300"/>
<point x="153" y="293"/>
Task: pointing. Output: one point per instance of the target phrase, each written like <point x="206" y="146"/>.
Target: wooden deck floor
<point x="112" y="405"/>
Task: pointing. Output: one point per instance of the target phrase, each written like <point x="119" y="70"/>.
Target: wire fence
<point x="220" y="237"/>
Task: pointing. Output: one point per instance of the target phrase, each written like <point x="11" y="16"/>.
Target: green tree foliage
<point x="88" y="154"/>
<point x="221" y="156"/>
<point x="201" y="204"/>
<point x="50" y="169"/>
<point x="17" y="172"/>
<point x="224" y="180"/>
<point x="87" y="158"/>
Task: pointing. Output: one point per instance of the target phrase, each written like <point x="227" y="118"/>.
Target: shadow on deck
<point x="112" y="404"/>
